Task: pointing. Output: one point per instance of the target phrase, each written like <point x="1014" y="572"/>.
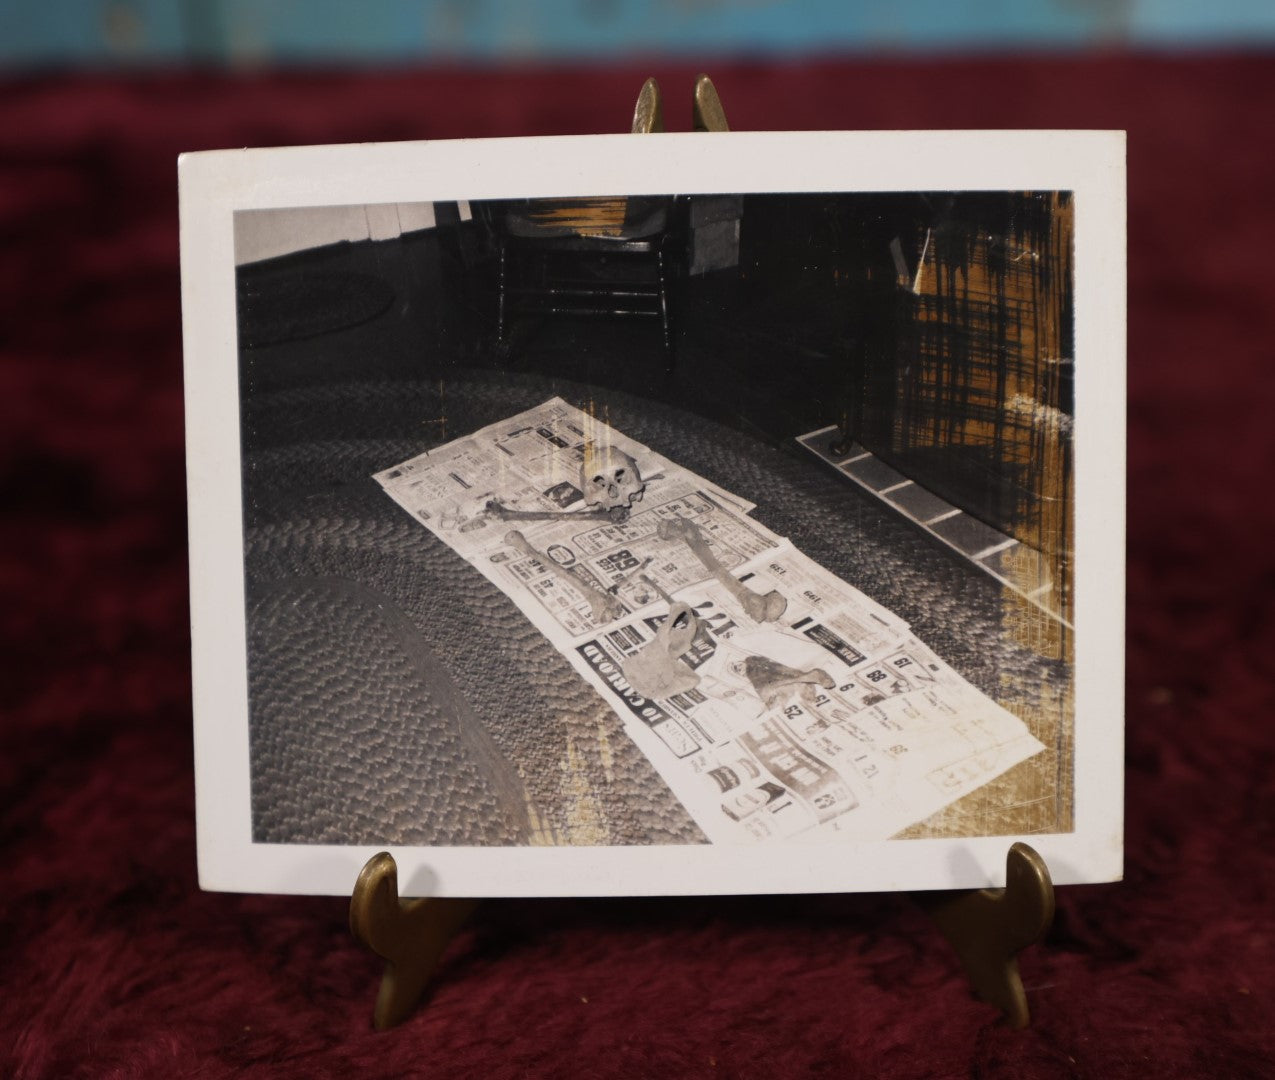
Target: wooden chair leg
<point x="502" y="287"/>
<point x="665" y="315"/>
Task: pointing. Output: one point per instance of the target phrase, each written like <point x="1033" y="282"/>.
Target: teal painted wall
<point x="115" y="32"/>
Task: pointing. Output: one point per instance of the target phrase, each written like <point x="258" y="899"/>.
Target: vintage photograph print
<point x="657" y="514"/>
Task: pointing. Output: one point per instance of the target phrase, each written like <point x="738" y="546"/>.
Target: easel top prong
<point x="648" y="113"/>
<point x="707" y="113"/>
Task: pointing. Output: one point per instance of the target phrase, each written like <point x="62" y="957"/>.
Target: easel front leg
<point x="988" y="928"/>
<point x="409" y="935"/>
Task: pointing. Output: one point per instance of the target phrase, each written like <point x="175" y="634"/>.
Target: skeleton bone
<point x="658" y="670"/>
<point x="774" y="681"/>
<point x="757" y="607"/>
<point x="617" y="515"/>
<point x="602" y="607"/>
<point x="636" y="572"/>
<point x="609" y="478"/>
<point x="646" y="580"/>
<point x="654" y="587"/>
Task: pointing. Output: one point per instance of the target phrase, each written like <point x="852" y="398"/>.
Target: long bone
<point x="602" y="607"/>
<point x="757" y="607"/>
<point x="617" y="515"/>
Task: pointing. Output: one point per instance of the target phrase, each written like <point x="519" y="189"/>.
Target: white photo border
<point x="216" y="184"/>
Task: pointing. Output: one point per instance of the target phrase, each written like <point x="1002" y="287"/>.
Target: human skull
<point x="609" y="478"/>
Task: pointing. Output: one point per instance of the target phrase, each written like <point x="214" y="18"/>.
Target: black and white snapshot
<point x="726" y="536"/>
<point x="659" y="520"/>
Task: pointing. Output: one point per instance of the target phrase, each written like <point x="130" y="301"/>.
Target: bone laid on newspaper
<point x="658" y="670"/>
<point x="775" y="682"/>
<point x="757" y="606"/>
<point x="451" y="489"/>
<point x="823" y="719"/>
<point x="531" y="468"/>
<point x="897" y="737"/>
<point x="610" y="483"/>
<point x="603" y="607"/>
<point x="501" y="512"/>
<point x="794" y="731"/>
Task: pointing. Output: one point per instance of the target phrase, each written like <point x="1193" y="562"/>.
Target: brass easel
<point x="987" y="927"/>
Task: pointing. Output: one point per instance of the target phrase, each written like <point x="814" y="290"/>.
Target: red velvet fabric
<point x="112" y="963"/>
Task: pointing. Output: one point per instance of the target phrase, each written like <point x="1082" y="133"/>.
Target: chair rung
<point x="624" y="294"/>
<point x="579" y="310"/>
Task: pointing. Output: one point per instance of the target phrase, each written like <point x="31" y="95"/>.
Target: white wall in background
<point x="267" y="234"/>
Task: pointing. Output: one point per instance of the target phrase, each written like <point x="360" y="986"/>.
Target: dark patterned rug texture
<point x="114" y="964"/>
<point x="349" y="597"/>
<point x="284" y="304"/>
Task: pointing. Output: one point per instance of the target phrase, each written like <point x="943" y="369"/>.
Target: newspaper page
<point x="775" y="700"/>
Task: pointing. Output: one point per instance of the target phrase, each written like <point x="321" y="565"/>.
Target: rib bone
<point x="602" y="607"/>
<point x="652" y="583"/>
<point x="636" y="572"/>
<point x="757" y="607"/>
<point x="617" y="515"/>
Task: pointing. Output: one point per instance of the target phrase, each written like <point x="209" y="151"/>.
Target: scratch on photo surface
<point x="586" y="823"/>
<point x="442" y="413"/>
<point x="605" y="752"/>
<point x="540" y="831"/>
